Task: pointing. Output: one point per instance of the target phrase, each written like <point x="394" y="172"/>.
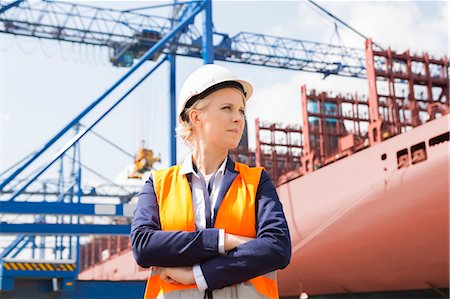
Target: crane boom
<point x="130" y="34"/>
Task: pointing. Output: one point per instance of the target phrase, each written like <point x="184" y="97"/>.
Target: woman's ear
<point x="194" y="117"/>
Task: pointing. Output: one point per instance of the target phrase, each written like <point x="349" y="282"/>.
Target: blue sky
<point x="44" y="84"/>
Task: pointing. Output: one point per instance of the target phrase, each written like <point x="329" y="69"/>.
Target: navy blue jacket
<point x="270" y="250"/>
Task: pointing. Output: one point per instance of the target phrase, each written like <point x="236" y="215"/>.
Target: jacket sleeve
<point x="270" y="250"/>
<point x="154" y="247"/>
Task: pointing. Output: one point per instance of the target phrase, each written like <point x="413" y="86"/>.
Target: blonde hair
<point x="185" y="130"/>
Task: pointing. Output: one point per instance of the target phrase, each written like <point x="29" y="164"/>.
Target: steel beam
<point x="64" y="229"/>
<point x="11" y="5"/>
<point x="172" y="110"/>
<point x="62" y="208"/>
<point x="159" y="45"/>
<point x="245" y="47"/>
<point x="207" y="44"/>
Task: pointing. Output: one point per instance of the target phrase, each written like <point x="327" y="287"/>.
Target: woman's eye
<point x="242" y="112"/>
<point x="226" y="107"/>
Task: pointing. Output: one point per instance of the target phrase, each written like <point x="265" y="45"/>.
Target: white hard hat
<point x="207" y="79"/>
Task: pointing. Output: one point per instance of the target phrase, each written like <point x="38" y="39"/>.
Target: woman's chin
<point x="231" y="145"/>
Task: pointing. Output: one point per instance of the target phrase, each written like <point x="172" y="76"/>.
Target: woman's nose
<point x="238" y="117"/>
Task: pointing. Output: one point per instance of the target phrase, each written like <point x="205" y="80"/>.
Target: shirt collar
<point x="188" y="165"/>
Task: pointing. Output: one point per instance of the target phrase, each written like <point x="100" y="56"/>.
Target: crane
<point x="130" y="34"/>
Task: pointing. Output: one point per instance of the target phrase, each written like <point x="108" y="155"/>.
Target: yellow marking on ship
<point x="24" y="266"/>
<point x="42" y="267"/>
<point x="35" y="267"/>
<point x="13" y="265"/>
<point x="28" y="266"/>
<point x="21" y="266"/>
<point x="49" y="267"/>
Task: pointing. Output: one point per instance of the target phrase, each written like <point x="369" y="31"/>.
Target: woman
<point x="211" y="227"/>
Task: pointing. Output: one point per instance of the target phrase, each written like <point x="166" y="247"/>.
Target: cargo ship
<point x="372" y="222"/>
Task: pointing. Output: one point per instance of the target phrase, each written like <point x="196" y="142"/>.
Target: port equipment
<point x="134" y="38"/>
<point x="405" y="90"/>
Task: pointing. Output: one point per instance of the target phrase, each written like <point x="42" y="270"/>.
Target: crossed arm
<point x="177" y="251"/>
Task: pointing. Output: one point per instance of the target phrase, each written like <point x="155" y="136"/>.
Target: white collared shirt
<point x="198" y="199"/>
<point x="198" y="203"/>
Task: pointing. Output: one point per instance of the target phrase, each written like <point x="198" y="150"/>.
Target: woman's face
<point x="221" y="123"/>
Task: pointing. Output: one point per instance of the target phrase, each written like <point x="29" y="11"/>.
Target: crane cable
<point x="339" y="20"/>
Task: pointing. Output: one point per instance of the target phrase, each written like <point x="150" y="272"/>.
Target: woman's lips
<point x="234" y="131"/>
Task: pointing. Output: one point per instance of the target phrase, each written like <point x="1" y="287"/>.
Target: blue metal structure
<point x="62" y="208"/>
<point x="63" y="273"/>
<point x="131" y="36"/>
<point x="31" y="288"/>
<point x="62" y="228"/>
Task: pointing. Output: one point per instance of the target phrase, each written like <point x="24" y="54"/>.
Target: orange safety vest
<point x="236" y="215"/>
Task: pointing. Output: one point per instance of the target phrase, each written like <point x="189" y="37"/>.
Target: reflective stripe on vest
<point x="236" y="215"/>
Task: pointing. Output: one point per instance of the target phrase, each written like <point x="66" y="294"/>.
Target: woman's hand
<point x="177" y="275"/>
<point x="185" y="275"/>
<point x="233" y="241"/>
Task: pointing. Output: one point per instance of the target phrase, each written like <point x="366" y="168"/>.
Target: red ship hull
<point x="362" y="225"/>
